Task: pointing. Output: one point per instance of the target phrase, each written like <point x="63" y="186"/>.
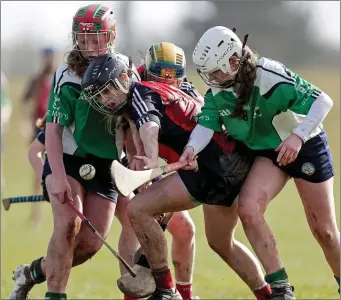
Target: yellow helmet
<point x="166" y="63"/>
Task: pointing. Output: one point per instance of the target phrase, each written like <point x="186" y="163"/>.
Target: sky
<point x="48" y="20"/>
<point x="53" y="26"/>
<point x="325" y="20"/>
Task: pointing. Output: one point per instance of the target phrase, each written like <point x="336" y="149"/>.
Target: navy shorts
<point x="101" y="184"/>
<point x="218" y="184"/>
<point x="314" y="162"/>
<point x="41" y="136"/>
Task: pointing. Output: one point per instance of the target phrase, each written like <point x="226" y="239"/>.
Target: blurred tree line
<point x="275" y="31"/>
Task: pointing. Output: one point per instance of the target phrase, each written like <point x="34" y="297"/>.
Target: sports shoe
<point x="23" y="283"/>
<point x="169" y="294"/>
<point x="282" y="292"/>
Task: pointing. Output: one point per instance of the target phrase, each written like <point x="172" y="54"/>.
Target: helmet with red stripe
<point x="93" y="30"/>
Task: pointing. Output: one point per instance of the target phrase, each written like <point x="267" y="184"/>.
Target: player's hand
<point x="189" y="156"/>
<point x="147" y="162"/>
<point x="137" y="165"/>
<point x="289" y="149"/>
<point x="144" y="186"/>
<point x="61" y="189"/>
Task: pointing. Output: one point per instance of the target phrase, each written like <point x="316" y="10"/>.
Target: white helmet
<point x="214" y="50"/>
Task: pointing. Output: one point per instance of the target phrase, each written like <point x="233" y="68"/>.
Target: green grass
<point x="300" y="253"/>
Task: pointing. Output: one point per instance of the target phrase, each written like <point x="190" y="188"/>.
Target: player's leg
<point x="101" y="204"/>
<point x="220" y="226"/>
<point x="25" y="276"/>
<point x="60" y="250"/>
<point x="313" y="172"/>
<point x="100" y="212"/>
<point x="263" y="183"/>
<point x="182" y="229"/>
<point x="128" y="243"/>
<point x="318" y="202"/>
<point x="166" y="195"/>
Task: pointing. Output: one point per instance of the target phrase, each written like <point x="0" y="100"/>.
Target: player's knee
<point x="85" y="250"/>
<point x="68" y="227"/>
<point x="250" y="213"/>
<point x="214" y="245"/>
<point x="189" y="230"/>
<point x="94" y="247"/>
<point x="219" y="246"/>
<point x="134" y="210"/>
<point x="324" y="234"/>
<point x="184" y="231"/>
<point x="72" y="229"/>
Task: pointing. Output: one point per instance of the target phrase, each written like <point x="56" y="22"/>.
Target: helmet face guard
<point x="108" y="100"/>
<point x="106" y="84"/>
<point x="166" y="63"/>
<point x="170" y="81"/>
<point x="94" y="24"/>
<point x="104" y="41"/>
<point x="213" y="80"/>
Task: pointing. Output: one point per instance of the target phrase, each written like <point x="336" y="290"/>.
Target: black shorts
<point x="218" y="185"/>
<point x="314" y="162"/>
<point x="101" y="184"/>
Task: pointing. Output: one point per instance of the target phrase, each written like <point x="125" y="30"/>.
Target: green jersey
<point x="5" y="100"/>
<point x="85" y="130"/>
<point x="6" y="103"/>
<point x="279" y="101"/>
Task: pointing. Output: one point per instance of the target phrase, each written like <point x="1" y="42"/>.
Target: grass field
<point x="300" y="253"/>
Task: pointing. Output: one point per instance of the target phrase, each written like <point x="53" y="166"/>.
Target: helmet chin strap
<point x="228" y="83"/>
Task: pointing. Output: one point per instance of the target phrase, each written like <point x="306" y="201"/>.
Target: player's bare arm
<point x="54" y="148"/>
<point x="136" y="138"/>
<point x="149" y="135"/>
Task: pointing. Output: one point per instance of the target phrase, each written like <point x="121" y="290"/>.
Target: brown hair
<point x="245" y="77"/>
<point x="40" y="123"/>
<point x="76" y="62"/>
